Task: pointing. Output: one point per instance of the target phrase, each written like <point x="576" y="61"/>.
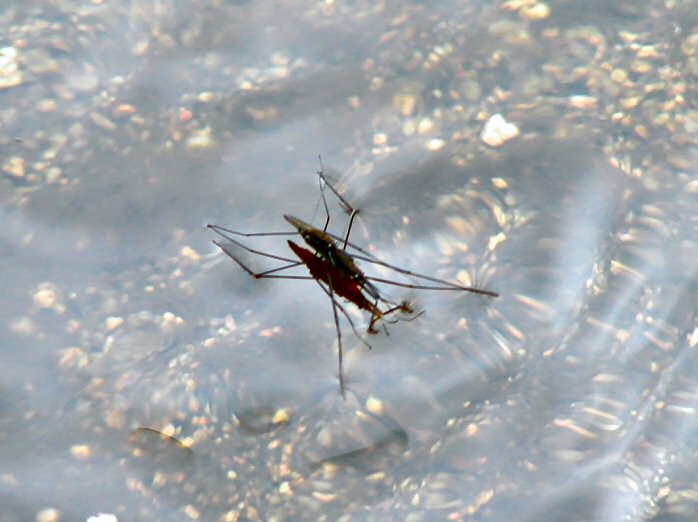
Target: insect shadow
<point x="331" y="262"/>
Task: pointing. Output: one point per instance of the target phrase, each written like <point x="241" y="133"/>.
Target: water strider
<point x="336" y="272"/>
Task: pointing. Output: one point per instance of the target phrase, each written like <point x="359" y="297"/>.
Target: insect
<point x="336" y="271"/>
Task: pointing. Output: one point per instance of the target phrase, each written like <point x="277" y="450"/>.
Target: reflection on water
<point x="147" y="376"/>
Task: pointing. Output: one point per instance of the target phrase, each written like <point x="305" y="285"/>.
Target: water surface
<point x="127" y="128"/>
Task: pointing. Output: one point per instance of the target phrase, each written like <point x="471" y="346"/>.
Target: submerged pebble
<point x="498" y="131"/>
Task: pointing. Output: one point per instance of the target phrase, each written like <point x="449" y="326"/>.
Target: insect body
<point x="327" y="250"/>
<point x="348" y="285"/>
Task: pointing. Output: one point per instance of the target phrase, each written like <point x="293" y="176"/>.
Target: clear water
<point x="570" y="397"/>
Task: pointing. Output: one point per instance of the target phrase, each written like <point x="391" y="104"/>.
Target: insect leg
<point x="253" y="251"/>
<point x="343" y="203"/>
<point x="221" y="231"/>
<point x="266" y="274"/>
<point x="449" y="285"/>
<point x="322" y="182"/>
<point x="339" y="336"/>
<point x="365" y="255"/>
<point x="347" y="316"/>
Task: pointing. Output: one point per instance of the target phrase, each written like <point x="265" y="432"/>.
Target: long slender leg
<point x="279" y="269"/>
<point x="258" y="252"/>
<point x="347" y="316"/>
<point x="322" y="182"/>
<point x="339" y="337"/>
<point x="343" y="203"/>
<point x="351" y="222"/>
<point x="452" y="286"/>
<point x="370" y="258"/>
<point x="261" y="275"/>
<point x="219" y="230"/>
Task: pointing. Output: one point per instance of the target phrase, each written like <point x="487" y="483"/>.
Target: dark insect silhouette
<point x="335" y="270"/>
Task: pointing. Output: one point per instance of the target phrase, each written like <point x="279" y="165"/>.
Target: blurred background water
<point x="147" y="376"/>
